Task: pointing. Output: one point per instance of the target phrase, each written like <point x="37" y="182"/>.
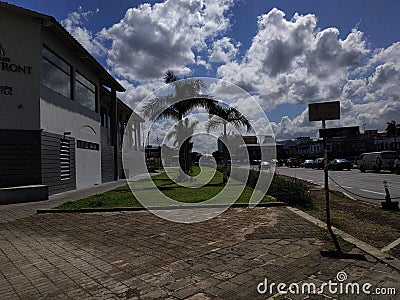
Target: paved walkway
<point x="11" y="212"/>
<point x="136" y="255"/>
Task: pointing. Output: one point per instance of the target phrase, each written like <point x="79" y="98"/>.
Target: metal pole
<point x="327" y="201"/>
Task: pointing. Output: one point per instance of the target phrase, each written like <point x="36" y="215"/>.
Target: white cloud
<point x="223" y="50"/>
<point x="151" y="39"/>
<point x="382" y="75"/>
<point x="74" y="25"/>
<point x="391" y="54"/>
<point x="290" y="61"/>
<point x="385" y="82"/>
<point x="355" y="89"/>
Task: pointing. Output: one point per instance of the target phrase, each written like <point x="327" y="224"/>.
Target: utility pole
<point x="326" y="186"/>
<point x="322" y="112"/>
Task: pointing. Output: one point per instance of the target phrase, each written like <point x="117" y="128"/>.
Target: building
<point x="341" y="142"/>
<point x="61" y="124"/>
<point x="244" y="148"/>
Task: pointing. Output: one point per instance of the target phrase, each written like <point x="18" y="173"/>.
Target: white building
<point x="61" y="123"/>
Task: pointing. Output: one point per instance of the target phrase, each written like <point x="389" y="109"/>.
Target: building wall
<point x="40" y="120"/>
<point x="59" y="120"/>
<point x="20" y="71"/>
<point x="59" y="114"/>
<point x="19" y="157"/>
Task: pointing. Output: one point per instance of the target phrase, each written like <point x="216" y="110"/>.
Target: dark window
<point x="85" y="92"/>
<point x="56" y="73"/>
<point x="87" y="145"/>
<point x="389" y="156"/>
<point x="104" y="118"/>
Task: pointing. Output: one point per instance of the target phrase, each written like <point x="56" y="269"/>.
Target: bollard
<point x="388" y="204"/>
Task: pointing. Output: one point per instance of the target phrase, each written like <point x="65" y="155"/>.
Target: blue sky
<point x="285" y="53"/>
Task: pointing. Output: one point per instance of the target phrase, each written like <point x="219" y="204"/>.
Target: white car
<point x="377" y="161"/>
<point x="265" y="165"/>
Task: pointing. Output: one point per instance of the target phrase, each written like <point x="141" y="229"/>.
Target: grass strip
<point x="123" y="196"/>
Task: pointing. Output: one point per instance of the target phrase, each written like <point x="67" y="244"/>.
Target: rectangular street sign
<point x="324" y="111"/>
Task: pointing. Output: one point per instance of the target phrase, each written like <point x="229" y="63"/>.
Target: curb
<point x="378" y="254"/>
<point x="122" y="209"/>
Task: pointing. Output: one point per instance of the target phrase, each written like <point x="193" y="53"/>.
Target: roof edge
<point x="50" y="22"/>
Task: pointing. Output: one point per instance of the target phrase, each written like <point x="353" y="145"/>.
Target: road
<point x="369" y="185"/>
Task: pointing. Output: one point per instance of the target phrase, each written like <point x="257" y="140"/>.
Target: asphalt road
<point x="358" y="185"/>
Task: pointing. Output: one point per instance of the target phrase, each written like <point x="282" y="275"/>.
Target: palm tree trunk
<point x="181" y="156"/>
<point x="225" y="159"/>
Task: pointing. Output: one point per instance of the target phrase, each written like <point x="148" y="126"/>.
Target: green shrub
<point x="289" y="190"/>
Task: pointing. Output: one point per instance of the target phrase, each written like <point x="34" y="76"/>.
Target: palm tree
<point x="188" y="130"/>
<point x="186" y="97"/>
<point x="393" y="129"/>
<point x="186" y="136"/>
<point x="224" y="116"/>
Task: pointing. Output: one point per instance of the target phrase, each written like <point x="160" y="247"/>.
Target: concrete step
<point x="28" y="193"/>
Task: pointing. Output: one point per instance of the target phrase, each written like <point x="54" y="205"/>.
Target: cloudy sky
<point x="284" y="53"/>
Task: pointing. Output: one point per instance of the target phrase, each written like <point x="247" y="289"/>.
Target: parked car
<point x="396" y="166"/>
<point x="256" y="162"/>
<point x="318" y="163"/>
<point x="339" y="164"/>
<point x="280" y="163"/>
<point x="377" y="161"/>
<point x="293" y="162"/>
<point x="308" y="163"/>
<point x="265" y="165"/>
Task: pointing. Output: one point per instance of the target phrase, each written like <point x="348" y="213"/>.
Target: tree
<point x="187" y="96"/>
<point x="393" y="129"/>
<point x="170" y="77"/>
<point x="187" y="132"/>
<point x="223" y="117"/>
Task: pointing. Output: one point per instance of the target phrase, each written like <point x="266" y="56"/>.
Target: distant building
<point x="285" y="149"/>
<point x="342" y="142"/>
<point x="244" y="148"/>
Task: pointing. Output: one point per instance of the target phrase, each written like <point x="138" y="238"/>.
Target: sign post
<point x="322" y="112"/>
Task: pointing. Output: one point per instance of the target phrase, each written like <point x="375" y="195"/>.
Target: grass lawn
<point x="123" y="197"/>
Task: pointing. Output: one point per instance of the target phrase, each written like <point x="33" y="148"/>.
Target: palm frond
<point x="225" y="115"/>
<point x="214" y="123"/>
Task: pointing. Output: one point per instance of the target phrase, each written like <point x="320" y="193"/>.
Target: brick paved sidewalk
<point x="135" y="255"/>
<point x="11" y="212"/>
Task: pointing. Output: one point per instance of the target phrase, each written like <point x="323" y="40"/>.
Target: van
<point x="377" y="161"/>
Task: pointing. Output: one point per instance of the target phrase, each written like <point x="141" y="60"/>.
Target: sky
<point x="286" y="54"/>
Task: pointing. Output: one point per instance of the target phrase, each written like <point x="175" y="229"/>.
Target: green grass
<point x="123" y="197"/>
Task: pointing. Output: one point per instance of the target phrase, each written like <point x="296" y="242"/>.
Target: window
<point x="85" y="92"/>
<point x="65" y="160"/>
<point x="104" y="118"/>
<point x="389" y="155"/>
<point x="56" y="73"/>
<point x="87" y="145"/>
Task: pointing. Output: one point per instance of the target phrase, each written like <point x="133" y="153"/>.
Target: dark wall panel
<point x="19" y="157"/>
